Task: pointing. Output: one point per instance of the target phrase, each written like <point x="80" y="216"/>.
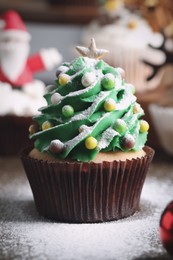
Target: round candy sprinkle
<point x="49" y="88"/>
<point x="56" y="146"/>
<point x="108" y="81"/>
<point x="109" y="105"/>
<point x="60" y="70"/>
<point x="88" y="78"/>
<point x="46" y="125"/>
<point x="55" y="98"/>
<point x="144" y="126"/>
<point x="82" y="128"/>
<point x="128" y="142"/>
<point x="63" y="79"/>
<point x="90" y="143"/>
<point x="67" y="111"/>
<point x="120" y="126"/>
<point x="122" y="72"/>
<point x="136" y="108"/>
<point x="33" y="129"/>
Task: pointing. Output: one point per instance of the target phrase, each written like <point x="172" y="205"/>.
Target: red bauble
<point x="166" y="228"/>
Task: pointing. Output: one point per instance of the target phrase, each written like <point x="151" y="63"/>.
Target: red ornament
<point x="166" y="228"/>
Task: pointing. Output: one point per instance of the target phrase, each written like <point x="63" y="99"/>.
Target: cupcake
<point x="127" y="33"/>
<point x="160" y="102"/>
<point x="20" y="93"/>
<point x="89" y="159"/>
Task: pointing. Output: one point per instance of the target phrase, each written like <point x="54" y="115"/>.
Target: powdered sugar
<point x="26" y="235"/>
<point x="100" y="97"/>
<point x="107" y="135"/>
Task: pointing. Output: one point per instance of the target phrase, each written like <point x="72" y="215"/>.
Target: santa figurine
<point x="17" y="68"/>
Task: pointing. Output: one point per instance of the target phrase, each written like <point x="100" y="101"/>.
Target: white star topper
<point x="91" y="51"/>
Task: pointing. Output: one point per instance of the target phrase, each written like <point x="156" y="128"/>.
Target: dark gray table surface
<point x="26" y="235"/>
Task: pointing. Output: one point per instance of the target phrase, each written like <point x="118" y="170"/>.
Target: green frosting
<point x="81" y="105"/>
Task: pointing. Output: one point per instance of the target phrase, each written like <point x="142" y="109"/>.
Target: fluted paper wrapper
<point x="162" y="118"/>
<point x="86" y="192"/>
<point x="14" y="134"/>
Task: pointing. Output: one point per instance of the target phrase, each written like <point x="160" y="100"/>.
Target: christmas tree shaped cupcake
<point x="90" y="154"/>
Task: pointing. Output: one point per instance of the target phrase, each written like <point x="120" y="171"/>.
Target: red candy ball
<point x="166" y="228"/>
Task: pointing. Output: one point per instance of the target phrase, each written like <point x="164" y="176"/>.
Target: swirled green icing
<point x="91" y="118"/>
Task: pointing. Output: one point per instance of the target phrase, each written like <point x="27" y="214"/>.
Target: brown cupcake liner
<point x="14" y="134"/>
<point x="86" y="192"/>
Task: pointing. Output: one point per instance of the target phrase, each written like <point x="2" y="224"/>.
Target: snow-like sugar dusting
<point x="106" y="138"/>
<point x="87" y="112"/>
<point x="26" y="235"/>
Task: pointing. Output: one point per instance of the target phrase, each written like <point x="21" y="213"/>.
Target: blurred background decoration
<point x="21" y="93"/>
<point x="54" y="23"/>
<point x="53" y="11"/>
<point x="159" y="13"/>
<point x="139" y="36"/>
<point x="62" y="24"/>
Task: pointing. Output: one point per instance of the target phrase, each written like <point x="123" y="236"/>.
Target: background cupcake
<point x="20" y="93"/>
<point x="126" y="33"/>
<point x="138" y="35"/>
<point x="159" y="102"/>
<point x="89" y="160"/>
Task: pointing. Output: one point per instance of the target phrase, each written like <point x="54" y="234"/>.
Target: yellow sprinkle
<point x="46" y="125"/>
<point x="136" y="109"/>
<point x="63" y="79"/>
<point x="109" y="105"/>
<point x="144" y="126"/>
<point x="90" y="143"/>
